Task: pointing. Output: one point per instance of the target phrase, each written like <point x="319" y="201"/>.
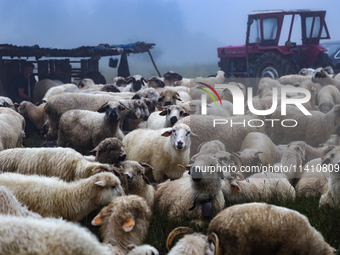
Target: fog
<point x="185" y="32"/>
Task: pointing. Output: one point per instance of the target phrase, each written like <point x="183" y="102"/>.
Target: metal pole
<point x="153" y="62"/>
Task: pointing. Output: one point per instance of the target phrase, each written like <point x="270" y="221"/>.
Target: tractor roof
<point x="287" y="11"/>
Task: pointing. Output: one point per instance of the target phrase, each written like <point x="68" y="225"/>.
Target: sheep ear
<point x="163" y="113"/>
<point x="145" y="165"/>
<point x="103" y="108"/>
<point x="234" y="185"/>
<point x="124" y="107"/>
<point x="326" y="161"/>
<point x="193" y="158"/>
<point x="192" y="134"/>
<point x="100" y="183"/>
<point x="167" y="133"/>
<point x="146" y="180"/>
<point x="96" y="221"/>
<point x="326" y="150"/>
<point x="131" y="247"/>
<point x="136" y="96"/>
<point x="213" y="238"/>
<point x="128" y="225"/>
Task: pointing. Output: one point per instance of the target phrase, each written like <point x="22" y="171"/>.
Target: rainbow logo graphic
<point x="209" y="93"/>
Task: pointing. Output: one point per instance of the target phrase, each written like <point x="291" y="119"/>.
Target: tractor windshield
<point x="269" y="28"/>
<point x="254" y="36"/>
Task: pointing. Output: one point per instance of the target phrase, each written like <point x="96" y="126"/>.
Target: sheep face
<point x="108" y="186"/>
<point x="173" y="113"/>
<point x="180" y="136"/>
<point x="135" y="174"/>
<point x="112" y="110"/>
<point x="110" y="151"/>
<point x="168" y="97"/>
<point x="332" y="156"/>
<point x="137" y="82"/>
<point x="138" y="109"/>
<point x="155" y="82"/>
<point x="110" y="88"/>
<point x="172" y="76"/>
<point x="22" y="108"/>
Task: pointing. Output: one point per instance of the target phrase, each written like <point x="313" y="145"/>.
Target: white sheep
<point x="322" y="77"/>
<point x="313" y="181"/>
<point x="328" y="96"/>
<point x="10" y="205"/>
<point x="197" y="196"/>
<point x="64" y="163"/>
<point x="52" y="197"/>
<point x="6" y="102"/>
<point x="94" y="126"/>
<point x="257" y="149"/>
<point x="35" y="113"/>
<point x="11" y="129"/>
<point x="57" y="90"/>
<point x="332" y="196"/>
<point x="277" y="229"/>
<point x="230" y="131"/>
<point x="135" y="83"/>
<point x="313" y="129"/>
<point x="22" y="236"/>
<point x="166" y="148"/>
<point x="166" y="118"/>
<point x="123" y="222"/>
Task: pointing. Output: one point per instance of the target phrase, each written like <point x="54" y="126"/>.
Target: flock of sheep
<point x="141" y="147"/>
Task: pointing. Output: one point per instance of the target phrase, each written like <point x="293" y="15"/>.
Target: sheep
<point x="123" y="222"/>
<point x="108" y="151"/>
<point x="292" y="79"/>
<point x="135" y="83"/>
<point x="11" y="130"/>
<point x="218" y="79"/>
<point x="22" y="236"/>
<point x="166" y="118"/>
<point x="258" y="187"/>
<point x="17" y="116"/>
<point x="313" y="181"/>
<point x="40" y="89"/>
<point x="168" y="148"/>
<point x="322" y="77"/>
<point x="257" y="149"/>
<point x="138" y="183"/>
<point x="6" y="102"/>
<point x="196" y="197"/>
<point x="11" y="206"/>
<point x="143" y="250"/>
<point x="306" y="72"/>
<point x="230" y="131"/>
<point x="52" y="197"/>
<point x="57" y="90"/>
<point x="35" y="113"/>
<point x="59" y="104"/>
<point x="224" y="110"/>
<point x="168" y="79"/>
<point x="213" y="146"/>
<point x="328" y="96"/>
<point x="192" y="243"/>
<point x="277" y="229"/>
<point x="94" y="126"/>
<point x="314" y="129"/>
<point x="310" y="152"/>
<point x="331" y="197"/>
<point x="64" y="163"/>
<point x="168" y="97"/>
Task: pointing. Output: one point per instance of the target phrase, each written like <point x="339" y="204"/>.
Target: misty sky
<point x="184" y="31"/>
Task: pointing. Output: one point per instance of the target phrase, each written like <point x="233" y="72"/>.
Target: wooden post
<point x="153" y="62"/>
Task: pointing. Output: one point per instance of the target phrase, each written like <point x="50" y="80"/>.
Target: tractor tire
<point x="323" y="60"/>
<point x="273" y="65"/>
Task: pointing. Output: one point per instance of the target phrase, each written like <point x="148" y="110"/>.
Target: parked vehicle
<point x="262" y="56"/>
<point x="333" y="51"/>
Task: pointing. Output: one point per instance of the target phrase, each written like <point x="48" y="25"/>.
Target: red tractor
<point x="262" y="56"/>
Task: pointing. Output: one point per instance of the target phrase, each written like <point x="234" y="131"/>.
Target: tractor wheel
<point x="323" y="60"/>
<point x="272" y="65"/>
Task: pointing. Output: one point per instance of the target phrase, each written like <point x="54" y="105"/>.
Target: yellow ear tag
<point x="299" y="162"/>
<point x="137" y="114"/>
<point x="128" y="223"/>
<point x="237" y="189"/>
<point x="97" y="220"/>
